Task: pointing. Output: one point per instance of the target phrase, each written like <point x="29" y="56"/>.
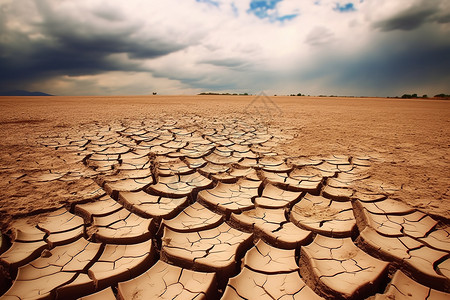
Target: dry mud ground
<point x="367" y="157"/>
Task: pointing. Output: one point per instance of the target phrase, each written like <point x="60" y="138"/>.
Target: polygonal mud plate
<point x="274" y="197"/>
<point x="151" y="206"/>
<point x="305" y="161"/>
<point x="337" y="194"/>
<point x="438" y="239"/>
<point x="212" y="250"/>
<point x="135" y="163"/>
<point x="338" y="269"/>
<point x="121" y="262"/>
<point x="296" y="181"/>
<point x="411" y="256"/>
<point x="267" y="259"/>
<point x="21" y="253"/>
<point x="272" y="226"/>
<point x="179" y="185"/>
<point x="324" y="216"/>
<point x="127" y="185"/>
<point x="273" y="164"/>
<point x="221" y="160"/>
<point x="212" y="168"/>
<point x="195" y="217"/>
<point x="62" y="226"/>
<point x="402" y="287"/>
<point x="122" y="227"/>
<point x="164" y="281"/>
<point x="101" y="207"/>
<point x="195" y="163"/>
<point x="415" y="224"/>
<point x="61" y="266"/>
<point x="227" y="198"/>
<point x="387" y="206"/>
<point x="253" y="285"/>
<point x="168" y="167"/>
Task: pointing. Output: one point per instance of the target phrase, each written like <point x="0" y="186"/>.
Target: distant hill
<point x="23" y="93"/>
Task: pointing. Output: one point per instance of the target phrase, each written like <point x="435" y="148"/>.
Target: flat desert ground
<point x="399" y="149"/>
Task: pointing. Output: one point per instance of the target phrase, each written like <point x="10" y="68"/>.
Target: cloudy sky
<point x="100" y="47"/>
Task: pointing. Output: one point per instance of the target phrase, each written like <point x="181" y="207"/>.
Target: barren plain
<point x="206" y="196"/>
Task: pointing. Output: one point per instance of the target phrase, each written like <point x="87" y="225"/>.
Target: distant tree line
<point x="415" y="96"/>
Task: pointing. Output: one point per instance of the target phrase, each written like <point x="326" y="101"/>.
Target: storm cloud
<point x="366" y="47"/>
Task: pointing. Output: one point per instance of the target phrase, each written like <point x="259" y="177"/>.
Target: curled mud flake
<point x="175" y="144"/>
<point x="248" y="163"/>
<point x="121" y="262"/>
<point x="127" y="185"/>
<point x="161" y="150"/>
<point x="21" y="253"/>
<point x="124" y="174"/>
<point x="271" y="225"/>
<point x="326" y="169"/>
<point x="152" y="206"/>
<point x="168" y="167"/>
<point x="227" y="198"/>
<point x="273" y="196"/>
<point x="195" y="163"/>
<point x="362" y="161"/>
<point x="221" y="160"/>
<point x="387" y="206"/>
<point x="267" y="259"/>
<point x="62" y="226"/>
<point x="23" y="230"/>
<point x="212" y="169"/>
<point x="415" y="224"/>
<point x="402" y="287"/>
<point x="297" y="181"/>
<point x="274" y="164"/>
<point x="302" y="161"/>
<point x="339" y="269"/>
<point x="164" y="281"/>
<point x="254" y="285"/>
<point x="438" y="239"/>
<point x="178" y="186"/>
<point x="367" y="196"/>
<point x="408" y="254"/>
<point x="444" y="268"/>
<point x="135" y="164"/>
<point x="122" y="227"/>
<point x="43" y="275"/>
<point x="324" y="216"/>
<point x="337" y="194"/>
<point x="99" y="208"/>
<point x="195" y="217"/>
<point x="212" y="250"/>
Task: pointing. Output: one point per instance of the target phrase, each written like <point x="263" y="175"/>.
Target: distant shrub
<point x="442" y="96"/>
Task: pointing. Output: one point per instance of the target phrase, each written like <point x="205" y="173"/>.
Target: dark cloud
<point x="409" y="19"/>
<point x="70" y="46"/>
<point x="416" y="64"/>
<point x="229" y="63"/>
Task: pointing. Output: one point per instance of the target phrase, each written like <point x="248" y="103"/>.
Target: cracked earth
<point x="199" y="208"/>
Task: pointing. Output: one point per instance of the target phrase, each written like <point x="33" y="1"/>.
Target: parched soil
<point x="224" y="197"/>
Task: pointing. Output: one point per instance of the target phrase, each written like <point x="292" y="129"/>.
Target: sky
<point x="313" y="47"/>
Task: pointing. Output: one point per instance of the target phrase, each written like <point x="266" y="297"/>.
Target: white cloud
<point x="189" y="46"/>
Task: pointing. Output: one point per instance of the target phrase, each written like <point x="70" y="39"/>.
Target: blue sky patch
<point x="344" y="8"/>
<point x="212" y="2"/>
<point x="267" y="9"/>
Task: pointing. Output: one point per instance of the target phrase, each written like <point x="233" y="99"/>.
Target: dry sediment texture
<point x="208" y="205"/>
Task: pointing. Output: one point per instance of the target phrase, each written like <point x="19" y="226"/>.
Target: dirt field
<point x="411" y="138"/>
<point x="310" y="184"/>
